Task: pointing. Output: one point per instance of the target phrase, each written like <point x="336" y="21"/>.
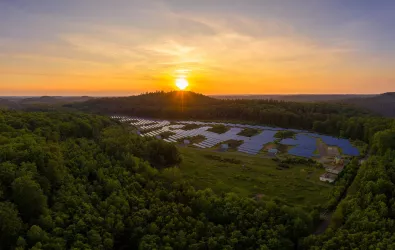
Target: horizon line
<point x="288" y="94"/>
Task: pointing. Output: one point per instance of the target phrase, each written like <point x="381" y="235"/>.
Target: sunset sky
<point x="103" y="47"/>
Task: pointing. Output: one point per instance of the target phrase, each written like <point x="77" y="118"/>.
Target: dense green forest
<point x="80" y="181"/>
<point x="328" y="118"/>
<point x="77" y="181"/>
<point x="365" y="219"/>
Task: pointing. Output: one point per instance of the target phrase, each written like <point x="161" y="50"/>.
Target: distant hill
<point x="383" y="104"/>
<point x="10" y="104"/>
<point x="32" y="103"/>
<point x="54" y="99"/>
<point x="146" y="104"/>
<point x="293" y="98"/>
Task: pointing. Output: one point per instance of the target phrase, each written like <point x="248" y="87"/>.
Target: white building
<point x="328" y="177"/>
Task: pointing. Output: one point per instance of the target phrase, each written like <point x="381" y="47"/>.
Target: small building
<point x="332" y="151"/>
<point x="158" y="137"/>
<point x="328" y="177"/>
<point x="338" y="160"/>
<point x="187" y="142"/>
<point x="272" y="151"/>
<point x="334" y="169"/>
<point x="224" y="146"/>
<point x="362" y="161"/>
<point x="138" y="132"/>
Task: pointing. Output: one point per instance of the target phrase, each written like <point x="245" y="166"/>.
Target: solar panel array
<point x="156" y="125"/>
<point x="179" y="133"/>
<point x="304" y="142"/>
<point x="304" y="145"/>
<point x="254" y="144"/>
<point x="343" y="144"/>
<point x="214" y="138"/>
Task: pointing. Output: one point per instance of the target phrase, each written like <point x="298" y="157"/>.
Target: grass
<point x="193" y="139"/>
<point x="219" y="129"/>
<point x="233" y="144"/>
<point x="249" y="132"/>
<point x="253" y="175"/>
<point x="144" y="131"/>
<point x="283" y="149"/>
<point x="284" y="134"/>
<point x="191" y="126"/>
<point x="166" y="134"/>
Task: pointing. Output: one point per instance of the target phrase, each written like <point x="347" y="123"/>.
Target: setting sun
<point x="182" y="83"/>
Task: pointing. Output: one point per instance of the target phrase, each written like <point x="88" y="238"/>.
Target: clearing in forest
<point x="253" y="175"/>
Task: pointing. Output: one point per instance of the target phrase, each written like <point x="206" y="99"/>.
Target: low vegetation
<point x="233" y="144"/>
<point x="193" y="139"/>
<point x="286" y="162"/>
<point x="254" y="175"/>
<point x="191" y="126"/>
<point x="249" y="132"/>
<point x="284" y="134"/>
<point x="219" y="129"/>
<point x="166" y="134"/>
<point x="144" y="131"/>
<point x="222" y="159"/>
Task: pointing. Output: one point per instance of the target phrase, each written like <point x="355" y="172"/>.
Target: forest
<point x="71" y="180"/>
<point x="365" y="219"/>
<point x="77" y="181"/>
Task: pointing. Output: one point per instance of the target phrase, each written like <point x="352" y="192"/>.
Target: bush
<point x="249" y="132"/>
<point x="219" y="129"/>
<point x="284" y="134"/>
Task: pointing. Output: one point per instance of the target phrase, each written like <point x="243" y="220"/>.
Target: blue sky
<point x="252" y="46"/>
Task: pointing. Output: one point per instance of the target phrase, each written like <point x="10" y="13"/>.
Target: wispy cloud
<point x="149" y="44"/>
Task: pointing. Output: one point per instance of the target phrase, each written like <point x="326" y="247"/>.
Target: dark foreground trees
<point x="74" y="181"/>
<point x="366" y="218"/>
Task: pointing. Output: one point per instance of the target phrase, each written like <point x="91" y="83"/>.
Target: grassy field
<point x="253" y="175"/>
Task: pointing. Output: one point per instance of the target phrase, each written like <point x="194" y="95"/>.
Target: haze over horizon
<point x="103" y="48"/>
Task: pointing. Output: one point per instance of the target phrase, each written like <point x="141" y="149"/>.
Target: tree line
<point x="327" y="118"/>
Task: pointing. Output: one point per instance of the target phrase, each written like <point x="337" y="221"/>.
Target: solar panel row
<point x="255" y="143"/>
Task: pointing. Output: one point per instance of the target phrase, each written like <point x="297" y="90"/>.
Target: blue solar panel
<point x="304" y="142"/>
<point x="302" y="152"/>
<point x="305" y="145"/>
<point x="345" y="145"/>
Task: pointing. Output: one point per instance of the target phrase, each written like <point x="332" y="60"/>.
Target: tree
<point x="29" y="197"/>
<point x="10" y="224"/>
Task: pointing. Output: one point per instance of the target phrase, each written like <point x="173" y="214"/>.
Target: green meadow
<point x="253" y="176"/>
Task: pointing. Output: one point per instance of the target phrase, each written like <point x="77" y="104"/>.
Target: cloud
<point x="228" y="44"/>
<point x="156" y="43"/>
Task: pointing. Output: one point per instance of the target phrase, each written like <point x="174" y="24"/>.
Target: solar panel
<point x="304" y="143"/>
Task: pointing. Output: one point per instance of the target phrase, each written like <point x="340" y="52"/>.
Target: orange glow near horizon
<point x="159" y="47"/>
